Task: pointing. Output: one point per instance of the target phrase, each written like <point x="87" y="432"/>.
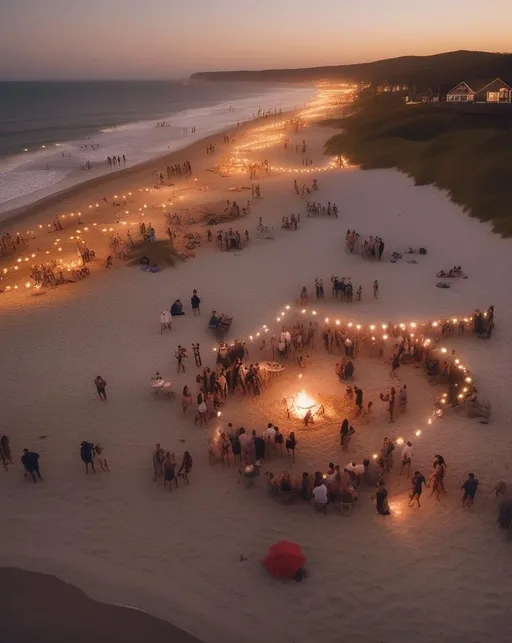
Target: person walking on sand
<point x="87" y="455"/>
<point x="390" y="399"/>
<point x="386" y="455"/>
<point x="406" y="459"/>
<point x="180" y="355"/>
<point x="4" y="458"/>
<point x="381" y="499"/>
<point x="165" y="320"/>
<point x="202" y="409"/>
<point x="395" y="365"/>
<point x="418" y="480"/>
<point x="158" y="460"/>
<point x="5" y="448"/>
<point x="197" y="355"/>
<point x="195" y="301"/>
<point x="186" y="399"/>
<point x="185" y="466"/>
<point x="469" y="487"/>
<point x="291" y="443"/>
<point x="101" y="386"/>
<point x="359" y="400"/>
<point x="99" y="453"/>
<point x="376" y="289"/>
<point x="345" y="434"/>
<point x="437" y="476"/>
<point x="30" y="461"/>
<point x="169" y="470"/>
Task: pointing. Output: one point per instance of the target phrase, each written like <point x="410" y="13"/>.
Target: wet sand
<point x="43" y="609"/>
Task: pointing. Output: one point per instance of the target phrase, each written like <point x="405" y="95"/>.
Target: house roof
<point x="462" y="86"/>
<point x="496" y="83"/>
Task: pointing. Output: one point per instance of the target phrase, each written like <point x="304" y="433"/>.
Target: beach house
<point x="461" y="93"/>
<point x="497" y="91"/>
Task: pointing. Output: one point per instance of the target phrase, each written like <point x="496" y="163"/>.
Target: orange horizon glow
<point x="128" y="39"/>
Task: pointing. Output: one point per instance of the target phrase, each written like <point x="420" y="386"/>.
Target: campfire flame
<point x="304" y="401"/>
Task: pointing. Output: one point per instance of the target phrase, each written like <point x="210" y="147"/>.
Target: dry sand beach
<point x="193" y="557"/>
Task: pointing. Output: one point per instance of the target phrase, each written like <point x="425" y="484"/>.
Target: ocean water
<point x="50" y="130"/>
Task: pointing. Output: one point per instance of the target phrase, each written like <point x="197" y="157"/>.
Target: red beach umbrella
<point x="284" y="559"/>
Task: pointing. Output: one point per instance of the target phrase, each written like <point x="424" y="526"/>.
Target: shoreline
<point x="52" y="200"/>
<point x="80" y="189"/>
<point x="112" y="181"/>
<point x="147" y="151"/>
<point x="95" y="208"/>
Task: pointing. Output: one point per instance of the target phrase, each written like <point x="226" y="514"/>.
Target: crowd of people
<point x="251" y="449"/>
<point x="298" y="148"/>
<point x="231" y="239"/>
<point x="52" y="273"/>
<point x="338" y="485"/>
<point x="291" y="222"/>
<point x="178" y="169"/>
<point x="10" y="244"/>
<point x="165" y="465"/>
<point x="115" y="161"/>
<point x="371" y="248"/>
<point x="341" y="289"/>
<point x="305" y="189"/>
<point x="481" y="324"/>
<point x="314" y="209"/>
<point x="341" y="487"/>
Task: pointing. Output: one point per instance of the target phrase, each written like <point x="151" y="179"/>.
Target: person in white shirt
<point x="269" y="435"/>
<point x="332" y="472"/>
<point x="320" y="495"/>
<point x="245" y="444"/>
<point x="358" y="469"/>
<point x="406" y="458"/>
<point x="270" y="432"/>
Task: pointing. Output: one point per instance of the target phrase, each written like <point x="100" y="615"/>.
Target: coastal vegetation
<point x="465" y="149"/>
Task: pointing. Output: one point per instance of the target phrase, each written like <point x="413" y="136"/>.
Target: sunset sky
<point x="117" y="39"/>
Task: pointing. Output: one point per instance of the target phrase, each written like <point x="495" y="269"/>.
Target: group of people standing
<point x="178" y="169"/>
<point x="314" y="209"/>
<point x="251" y="448"/>
<point x="115" y="161"/>
<point x="165" y="465"/>
<point x="231" y="240"/>
<point x="89" y="453"/>
<point x="371" y="248"/>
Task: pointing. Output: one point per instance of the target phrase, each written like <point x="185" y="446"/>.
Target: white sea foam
<point x="25" y="179"/>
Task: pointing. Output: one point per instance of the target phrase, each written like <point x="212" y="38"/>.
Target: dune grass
<point x="467" y="153"/>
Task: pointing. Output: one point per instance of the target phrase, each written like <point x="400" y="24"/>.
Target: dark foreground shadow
<point x="38" y="608"/>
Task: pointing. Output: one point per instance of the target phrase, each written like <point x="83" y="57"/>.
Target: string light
<point x="443" y="350"/>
